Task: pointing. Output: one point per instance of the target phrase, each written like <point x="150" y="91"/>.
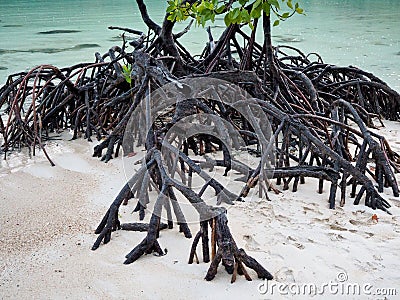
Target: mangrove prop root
<point x="227" y="252"/>
<point x="320" y="115"/>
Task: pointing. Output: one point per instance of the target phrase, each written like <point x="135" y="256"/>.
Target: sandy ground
<point x="48" y="215"/>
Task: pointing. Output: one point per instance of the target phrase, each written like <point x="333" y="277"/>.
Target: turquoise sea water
<point x="364" y="33"/>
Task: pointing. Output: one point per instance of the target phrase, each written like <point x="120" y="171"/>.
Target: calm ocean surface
<point x="364" y="33"/>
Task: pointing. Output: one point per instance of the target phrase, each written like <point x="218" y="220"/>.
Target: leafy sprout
<point x="126" y="71"/>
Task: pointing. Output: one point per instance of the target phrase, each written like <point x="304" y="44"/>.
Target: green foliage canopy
<point x="234" y="12"/>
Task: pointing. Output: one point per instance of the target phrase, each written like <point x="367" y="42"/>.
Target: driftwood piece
<point x="141" y="226"/>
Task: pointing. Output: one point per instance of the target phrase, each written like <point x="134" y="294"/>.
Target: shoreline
<point x="47" y="255"/>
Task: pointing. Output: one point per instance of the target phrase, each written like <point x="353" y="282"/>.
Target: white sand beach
<point x="48" y="216"/>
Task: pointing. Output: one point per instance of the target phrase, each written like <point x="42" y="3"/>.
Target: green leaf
<point x="209" y="5"/>
<point x="257" y="3"/>
<point x="171" y="17"/>
<point x="220" y="9"/>
<point x="200" y="7"/>
<point x="126" y="70"/>
<point x="236" y="13"/>
<point x="227" y="19"/>
<point x="256" y="10"/>
<point x="203" y="21"/>
<point x="266" y="8"/>
<point x="274" y="3"/>
<point x="299" y="10"/>
<point x="251" y="26"/>
<point x="207" y="14"/>
<point x="179" y="15"/>
<point x="245" y="16"/>
<point x="276" y="23"/>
